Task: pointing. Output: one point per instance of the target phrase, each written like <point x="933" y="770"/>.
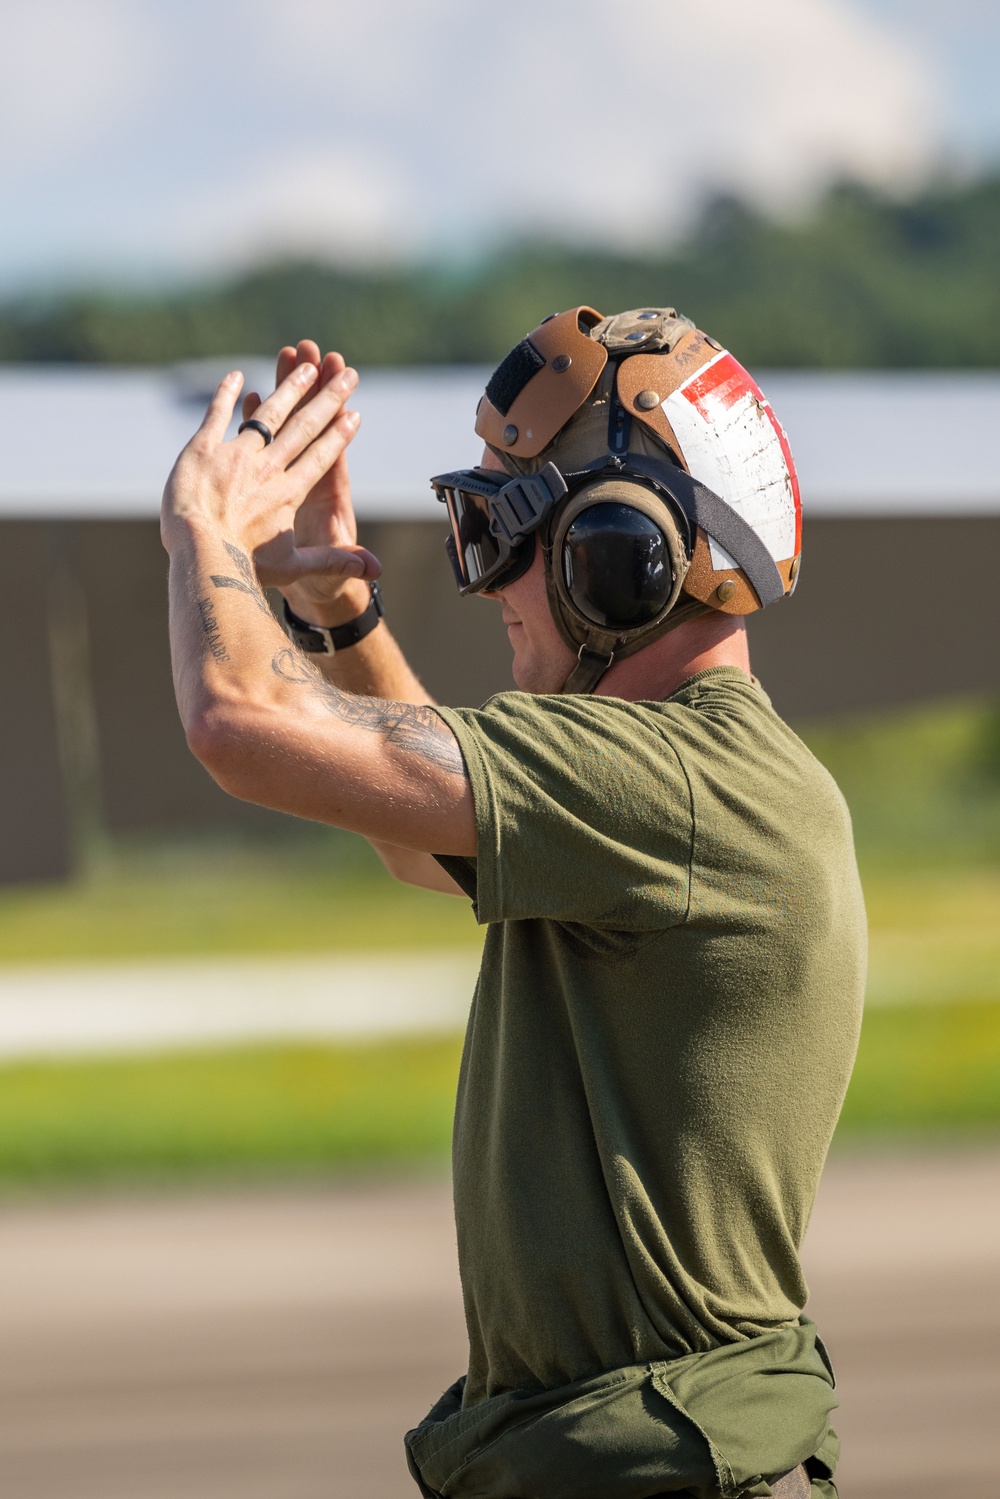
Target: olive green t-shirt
<point x="662" y="1032"/>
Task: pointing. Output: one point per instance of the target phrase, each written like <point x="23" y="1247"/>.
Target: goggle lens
<point x="476" y="548"/>
<point x="493" y="522"/>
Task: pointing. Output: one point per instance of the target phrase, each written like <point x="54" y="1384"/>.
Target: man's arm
<point x="375" y="666"/>
<point x="267" y="725"/>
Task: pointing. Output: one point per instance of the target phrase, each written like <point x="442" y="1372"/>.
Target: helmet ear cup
<point x="616" y="558"/>
<point x="616" y="565"/>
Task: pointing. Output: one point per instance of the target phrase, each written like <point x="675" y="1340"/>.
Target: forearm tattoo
<point x="411" y="726"/>
<point x="210" y="630"/>
<point x="247" y="581"/>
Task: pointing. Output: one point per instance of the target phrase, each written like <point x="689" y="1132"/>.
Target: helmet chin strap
<point x="591" y="663"/>
<point x="598" y="650"/>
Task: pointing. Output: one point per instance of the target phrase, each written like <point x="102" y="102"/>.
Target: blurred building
<point x="898" y="600"/>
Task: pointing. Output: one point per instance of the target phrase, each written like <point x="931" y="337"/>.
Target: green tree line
<point x="863" y="280"/>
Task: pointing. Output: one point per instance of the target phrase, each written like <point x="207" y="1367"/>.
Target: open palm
<point x="326" y="516"/>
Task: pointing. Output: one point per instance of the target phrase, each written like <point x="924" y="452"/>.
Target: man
<point x="669" y="1000"/>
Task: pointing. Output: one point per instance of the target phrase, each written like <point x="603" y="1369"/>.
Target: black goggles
<point x="494" y="520"/>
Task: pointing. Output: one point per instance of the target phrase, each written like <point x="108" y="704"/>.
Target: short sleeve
<point x="583" y="812"/>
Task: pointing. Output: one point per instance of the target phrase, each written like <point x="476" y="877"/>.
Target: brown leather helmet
<point x="652" y="431"/>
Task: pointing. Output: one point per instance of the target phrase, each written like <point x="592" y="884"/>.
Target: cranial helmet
<point x="651" y="467"/>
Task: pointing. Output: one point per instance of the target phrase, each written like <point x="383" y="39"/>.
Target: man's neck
<point x="660" y="668"/>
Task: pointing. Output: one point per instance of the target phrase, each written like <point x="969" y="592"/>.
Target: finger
<point x="250" y="403"/>
<point x="288" y="358"/>
<point x="275" y="411"/>
<point x="307" y="352"/>
<point x="341" y="502"/>
<point x="340" y="479"/>
<point x="323" y="408"/>
<point x="286" y="363"/>
<point x="328" y="448"/>
<point x="221" y="407"/>
<point x="333" y="365"/>
<point x="330" y="367"/>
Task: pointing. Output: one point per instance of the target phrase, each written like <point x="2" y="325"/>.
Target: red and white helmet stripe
<point x="733" y="443"/>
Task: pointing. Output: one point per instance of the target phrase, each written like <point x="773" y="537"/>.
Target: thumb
<point x="345" y="562"/>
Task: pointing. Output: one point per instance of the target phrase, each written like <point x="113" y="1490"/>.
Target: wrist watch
<point x="318" y="640"/>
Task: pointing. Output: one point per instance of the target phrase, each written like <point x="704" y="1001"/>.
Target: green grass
<point x="926" y="1069"/>
<point x="923" y="784"/>
<point x="934" y="935"/>
<point x="923" y="1070"/>
<point x="233" y="1110"/>
<point x="317" y="891"/>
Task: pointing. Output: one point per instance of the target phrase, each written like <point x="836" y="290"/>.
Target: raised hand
<point x="250" y="493"/>
<point x="326" y="516"/>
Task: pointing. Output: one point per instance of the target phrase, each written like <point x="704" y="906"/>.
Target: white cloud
<point x="193" y="132"/>
<point x="963" y="38"/>
<point x="317" y="200"/>
<point x="819" y="90"/>
<point x="614" y="116"/>
<point x="69" y="73"/>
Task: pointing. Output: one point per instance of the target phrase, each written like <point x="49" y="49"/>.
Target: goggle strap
<point x="522" y="504"/>
<point x="470" y="479"/>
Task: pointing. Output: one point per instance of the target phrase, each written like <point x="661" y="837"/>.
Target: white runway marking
<point x="80" y="1008"/>
<point x="134" y="1007"/>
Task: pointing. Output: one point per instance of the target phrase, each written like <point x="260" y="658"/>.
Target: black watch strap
<point x="317" y="640"/>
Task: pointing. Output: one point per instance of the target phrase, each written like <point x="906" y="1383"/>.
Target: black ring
<point x="256" y="426"/>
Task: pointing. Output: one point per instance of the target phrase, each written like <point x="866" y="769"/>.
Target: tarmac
<point x="275" y="1343"/>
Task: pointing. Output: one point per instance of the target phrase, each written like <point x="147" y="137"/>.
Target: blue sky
<point x="960" y="42"/>
<point x="159" y="139"/>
